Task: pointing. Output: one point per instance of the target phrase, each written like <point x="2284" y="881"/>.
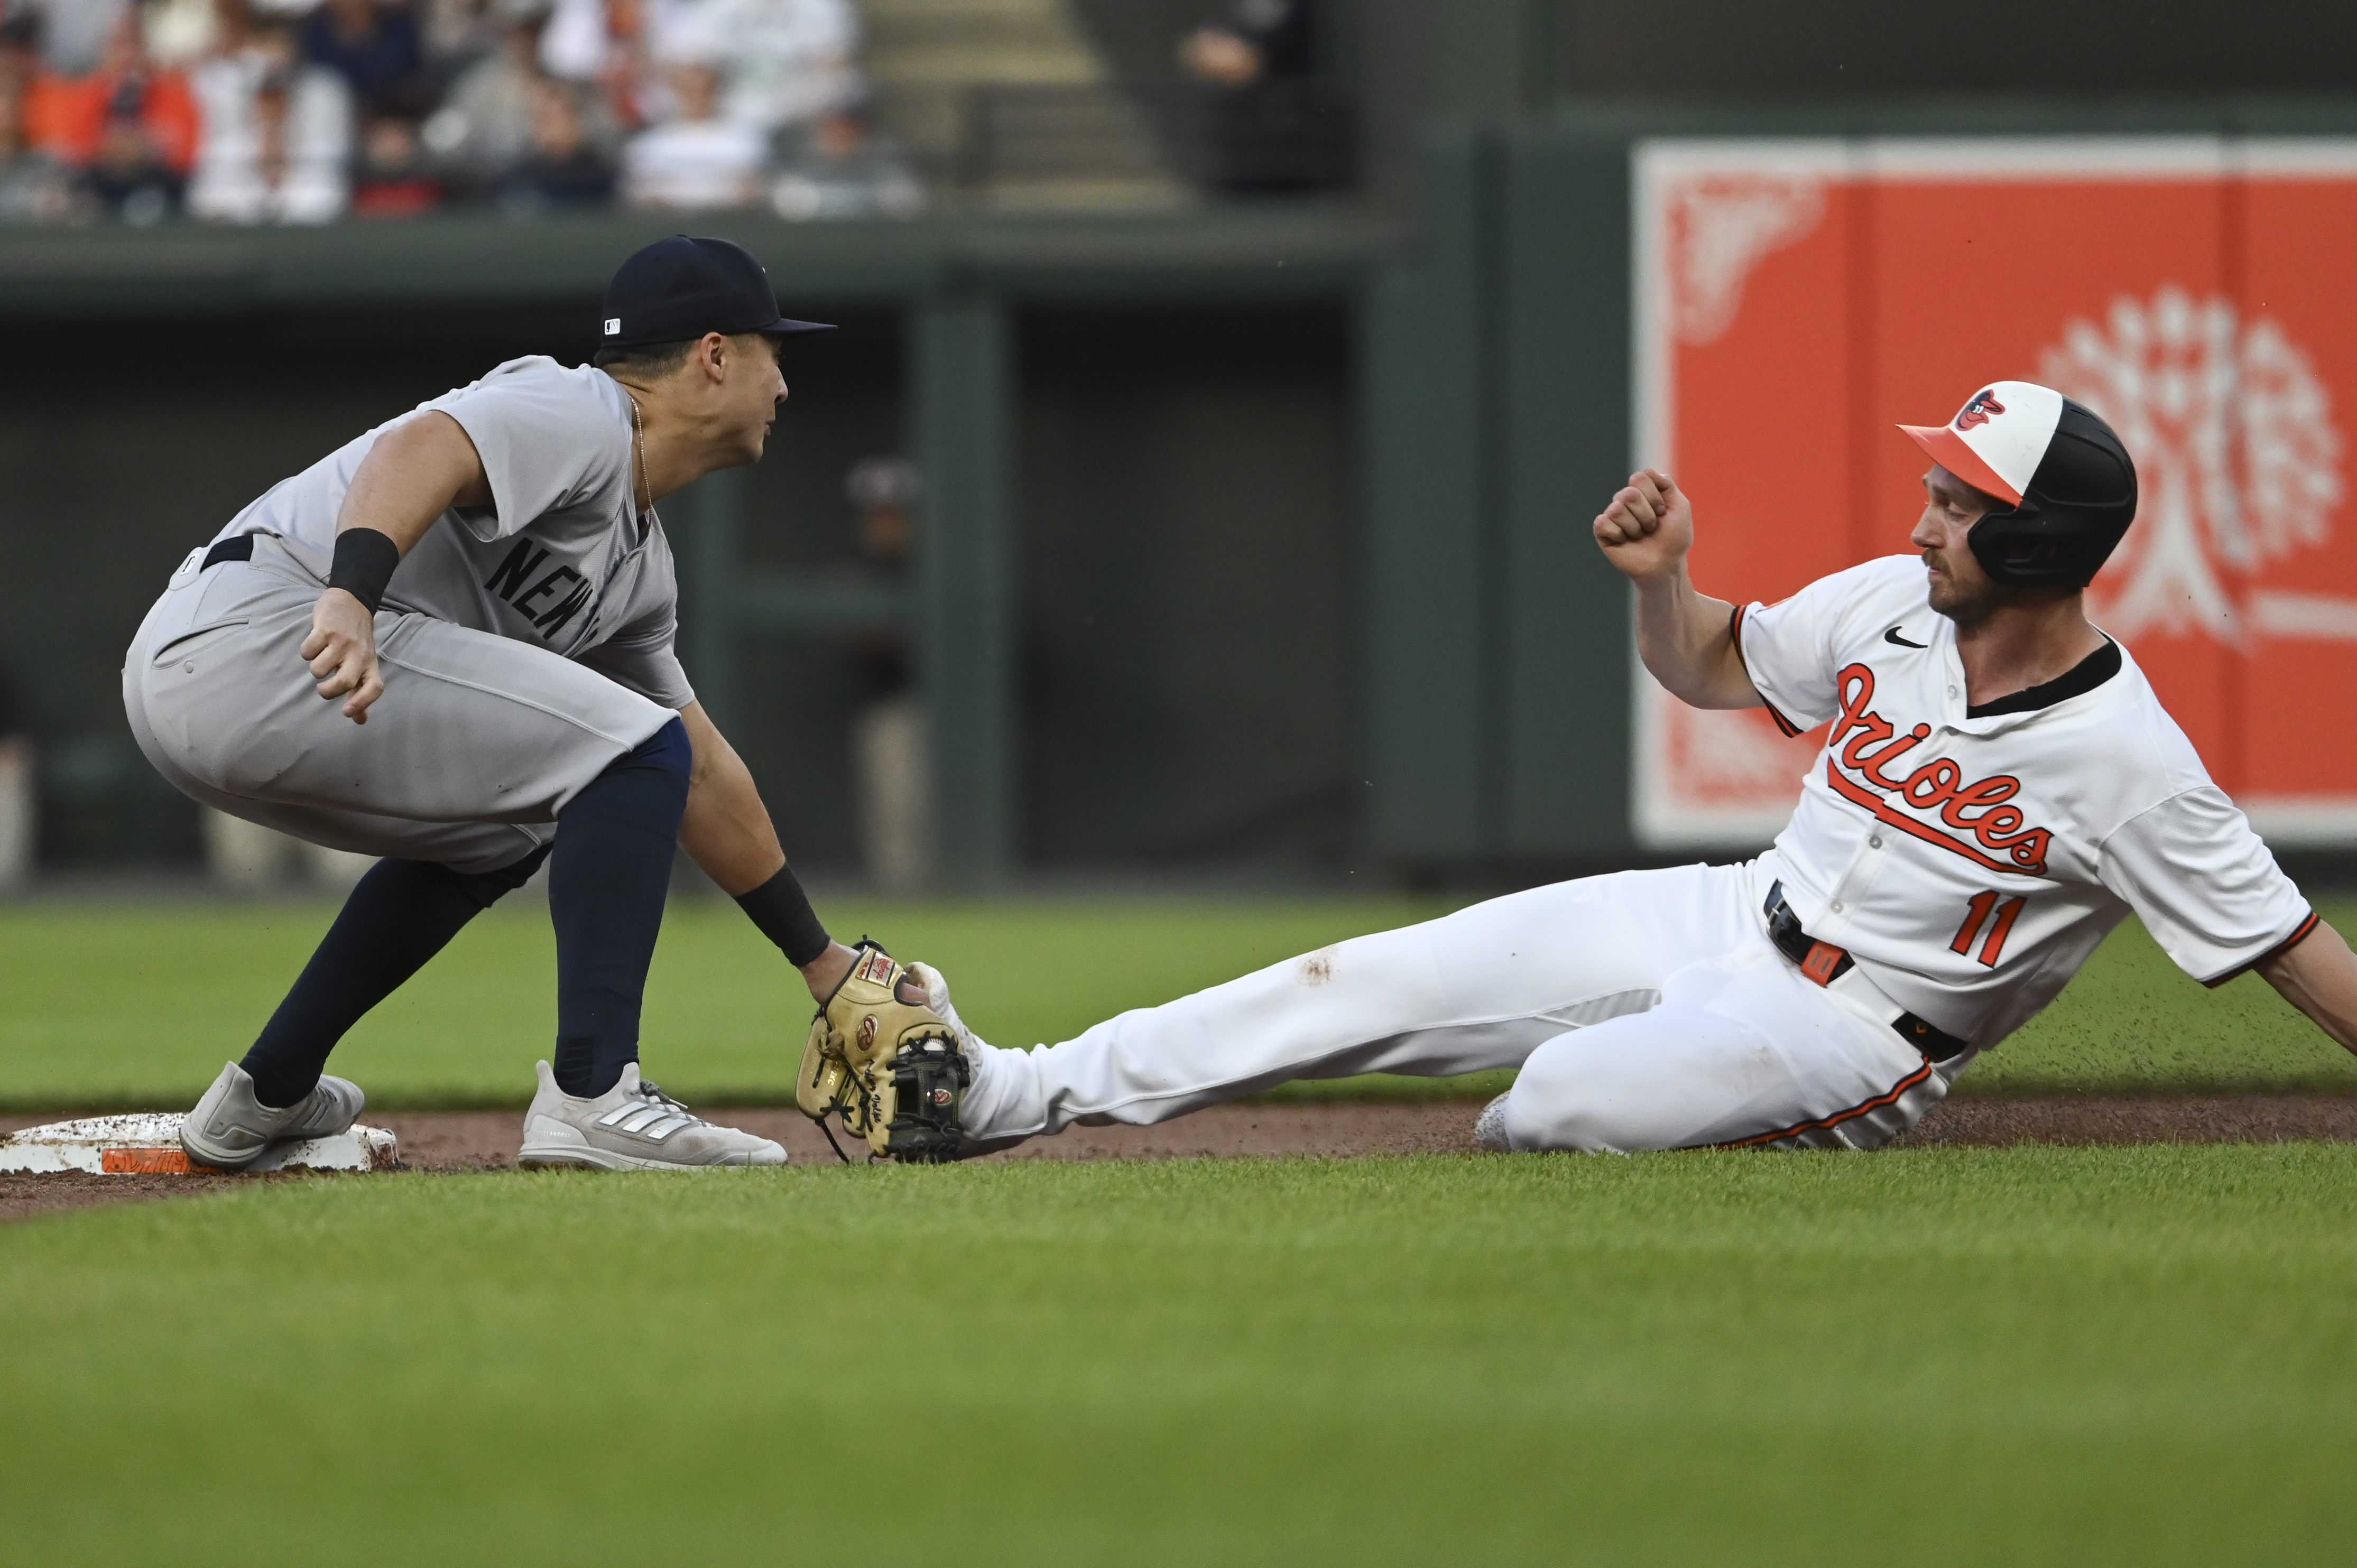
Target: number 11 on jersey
<point x="1977" y="913"/>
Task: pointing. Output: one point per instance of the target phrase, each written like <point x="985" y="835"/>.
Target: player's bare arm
<point x="728" y="833"/>
<point x="2319" y="976"/>
<point x="869" y="1007"/>
<point x="1685" y="638"/>
<point x="414" y="474"/>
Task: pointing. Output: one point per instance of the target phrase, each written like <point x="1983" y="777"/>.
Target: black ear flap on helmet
<point x="2073" y="511"/>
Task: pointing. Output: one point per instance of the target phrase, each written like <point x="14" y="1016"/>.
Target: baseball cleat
<point x="885" y="1061"/>
<point x="633" y="1126"/>
<point x="230" y="1129"/>
<point x="1490" y="1127"/>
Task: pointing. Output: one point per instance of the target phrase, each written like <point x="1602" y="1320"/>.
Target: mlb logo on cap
<point x="613" y="325"/>
<point x="1997" y="439"/>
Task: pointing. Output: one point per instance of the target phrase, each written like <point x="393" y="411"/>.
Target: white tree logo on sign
<point x="1719" y="227"/>
<point x="2238" y="466"/>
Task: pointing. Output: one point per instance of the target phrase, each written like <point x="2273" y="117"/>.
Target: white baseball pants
<point x="1646" y="1010"/>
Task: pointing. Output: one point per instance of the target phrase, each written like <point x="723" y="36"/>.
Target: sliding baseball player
<point x="1999" y="788"/>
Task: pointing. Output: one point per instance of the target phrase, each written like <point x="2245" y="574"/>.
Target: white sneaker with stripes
<point x="633" y="1126"/>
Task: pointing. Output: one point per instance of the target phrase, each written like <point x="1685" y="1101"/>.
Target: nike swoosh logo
<point x="1892" y="636"/>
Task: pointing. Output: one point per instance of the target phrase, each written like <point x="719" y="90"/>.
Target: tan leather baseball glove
<point x="886" y="1063"/>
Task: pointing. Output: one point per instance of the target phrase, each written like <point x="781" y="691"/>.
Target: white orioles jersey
<point x="1971" y="865"/>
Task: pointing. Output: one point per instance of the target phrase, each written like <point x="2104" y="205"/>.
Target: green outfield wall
<point x="1132" y="612"/>
<point x="1251" y="537"/>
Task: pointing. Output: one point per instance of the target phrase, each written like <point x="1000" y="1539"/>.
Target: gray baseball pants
<point x="476" y="744"/>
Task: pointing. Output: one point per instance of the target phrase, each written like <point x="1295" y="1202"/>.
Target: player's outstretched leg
<point x="400" y="914"/>
<point x="606" y="881"/>
<point x="1743" y="1051"/>
<point x="1477" y="990"/>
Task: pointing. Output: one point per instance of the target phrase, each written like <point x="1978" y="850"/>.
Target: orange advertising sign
<point x="1797" y="300"/>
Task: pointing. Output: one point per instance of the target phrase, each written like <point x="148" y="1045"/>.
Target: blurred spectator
<point x="75" y="33"/>
<point x="490" y="123"/>
<point x="1261" y="39"/>
<point x="277" y="133"/>
<point x="891" y="740"/>
<point x="181" y="32"/>
<point x="695" y="158"/>
<point x="299" y="111"/>
<point x="565" y="168"/>
<point x="834" y="166"/>
<point x="18" y="779"/>
<point x="484" y="125"/>
<point x="374" y="47"/>
<point x="1271" y="131"/>
<point x="783" y="62"/>
<point x="128" y="130"/>
<point x="35" y="187"/>
<point x="602" y="44"/>
<point x="392" y="180"/>
<point x="20" y="43"/>
<point x="578" y="43"/>
<point x="457" y="33"/>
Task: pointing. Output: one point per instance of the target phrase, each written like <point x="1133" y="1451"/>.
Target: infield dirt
<point x="445" y="1142"/>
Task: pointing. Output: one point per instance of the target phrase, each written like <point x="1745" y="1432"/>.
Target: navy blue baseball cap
<point x="683" y="287"/>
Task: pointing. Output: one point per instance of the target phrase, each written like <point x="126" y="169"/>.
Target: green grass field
<point x="133" y="1007"/>
<point x="1926" y="1356"/>
<point x="2031" y="1355"/>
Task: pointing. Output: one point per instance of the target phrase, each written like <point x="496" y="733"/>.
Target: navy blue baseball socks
<point x="400" y="914"/>
<point x="607" y="883"/>
<point x="683" y="287"/>
<point x="610" y="873"/>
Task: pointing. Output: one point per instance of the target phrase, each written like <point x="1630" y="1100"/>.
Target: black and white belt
<point x="1823" y="963"/>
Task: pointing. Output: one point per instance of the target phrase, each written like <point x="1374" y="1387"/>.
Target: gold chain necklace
<point x="646" y="485"/>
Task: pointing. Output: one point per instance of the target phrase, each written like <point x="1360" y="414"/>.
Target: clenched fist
<point x="1648" y="527"/>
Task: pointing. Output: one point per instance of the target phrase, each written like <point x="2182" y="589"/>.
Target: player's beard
<point x="1961" y="600"/>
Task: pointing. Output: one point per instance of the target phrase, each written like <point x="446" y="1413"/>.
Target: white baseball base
<point x="149" y="1144"/>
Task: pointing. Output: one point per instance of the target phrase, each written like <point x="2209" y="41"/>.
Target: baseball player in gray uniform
<point x="449" y="643"/>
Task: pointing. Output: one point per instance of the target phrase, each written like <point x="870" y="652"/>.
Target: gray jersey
<point x="561" y="559"/>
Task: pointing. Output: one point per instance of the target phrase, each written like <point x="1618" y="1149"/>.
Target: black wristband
<point x="363" y="564"/>
<point x="782" y="910"/>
